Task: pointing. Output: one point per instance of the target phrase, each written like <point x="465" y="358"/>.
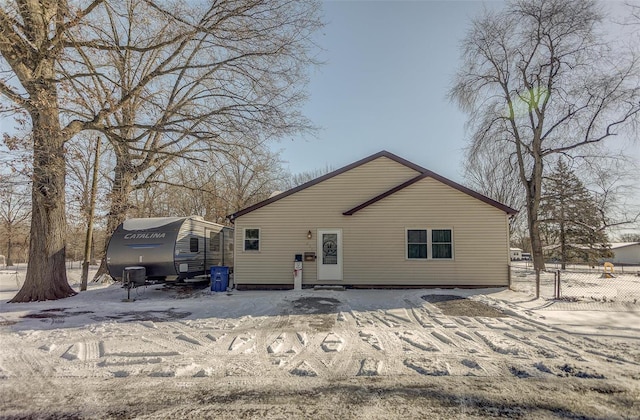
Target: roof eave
<point x="325" y="177"/>
<point x="422" y="171"/>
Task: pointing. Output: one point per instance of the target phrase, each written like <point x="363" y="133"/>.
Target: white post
<point x="297" y="275"/>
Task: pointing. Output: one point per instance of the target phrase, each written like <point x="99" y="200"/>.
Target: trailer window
<point x="193" y="244"/>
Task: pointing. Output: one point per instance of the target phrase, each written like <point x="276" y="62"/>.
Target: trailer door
<point x="213" y="252"/>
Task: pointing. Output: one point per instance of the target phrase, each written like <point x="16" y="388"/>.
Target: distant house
<point x="515" y="254"/>
<point x="625" y="253"/>
<point x="379" y="222"/>
<point x="578" y="253"/>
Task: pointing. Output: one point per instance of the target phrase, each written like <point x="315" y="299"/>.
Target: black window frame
<point x="194" y="245"/>
<point x="440" y="243"/>
<point x="250" y="240"/>
<point x="417" y="244"/>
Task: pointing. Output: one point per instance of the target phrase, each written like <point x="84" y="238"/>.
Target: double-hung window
<point x="417" y="243"/>
<point x="431" y="244"/>
<point x="252" y="239"/>
<point x="441" y="244"/>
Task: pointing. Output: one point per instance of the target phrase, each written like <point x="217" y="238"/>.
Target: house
<point x="625" y="253"/>
<point x="516" y="254"/>
<point x="577" y="253"/>
<point x="380" y="222"/>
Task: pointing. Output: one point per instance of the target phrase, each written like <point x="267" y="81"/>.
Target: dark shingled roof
<point x="423" y="173"/>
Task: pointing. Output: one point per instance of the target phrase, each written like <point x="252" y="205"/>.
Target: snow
<point x="188" y="352"/>
<point x="616" y="245"/>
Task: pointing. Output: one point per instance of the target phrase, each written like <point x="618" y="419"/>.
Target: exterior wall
<point x="627" y="254"/>
<point x="199" y="229"/>
<point x="374" y="239"/>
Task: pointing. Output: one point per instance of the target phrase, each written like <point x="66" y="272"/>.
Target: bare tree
<point x="32" y="43"/>
<point x="614" y="184"/>
<point x="14" y="210"/>
<point x="83" y="171"/>
<point x="91" y="208"/>
<point x="193" y="188"/>
<point x="189" y="78"/>
<point x="250" y="178"/>
<point x="630" y="237"/>
<point x="158" y="79"/>
<point x="537" y="78"/>
<point x="633" y="17"/>
<point x="218" y="184"/>
<point x="306" y="176"/>
<point x="491" y="172"/>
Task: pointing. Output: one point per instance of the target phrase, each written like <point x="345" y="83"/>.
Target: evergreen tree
<point x="570" y="218"/>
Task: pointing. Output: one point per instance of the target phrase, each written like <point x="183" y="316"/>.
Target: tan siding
<point x="480" y="242"/>
<point x="374" y="238"/>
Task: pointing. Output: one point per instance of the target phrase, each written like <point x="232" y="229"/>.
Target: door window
<point x="329" y="248"/>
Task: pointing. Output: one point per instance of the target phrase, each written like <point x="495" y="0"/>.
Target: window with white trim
<point x="417" y="243"/>
<point x="252" y="239"/>
<point x="429" y="244"/>
<point x="441" y="244"/>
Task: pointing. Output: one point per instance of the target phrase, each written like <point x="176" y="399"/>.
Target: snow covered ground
<point x="191" y="353"/>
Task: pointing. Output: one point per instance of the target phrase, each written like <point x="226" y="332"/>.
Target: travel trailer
<point x="169" y="248"/>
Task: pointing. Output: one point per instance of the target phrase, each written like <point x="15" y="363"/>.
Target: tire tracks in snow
<point x="415" y="338"/>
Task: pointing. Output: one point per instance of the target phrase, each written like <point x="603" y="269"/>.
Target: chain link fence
<point x="578" y="282"/>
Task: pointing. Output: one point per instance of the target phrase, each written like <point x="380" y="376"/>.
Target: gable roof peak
<point x="422" y="173"/>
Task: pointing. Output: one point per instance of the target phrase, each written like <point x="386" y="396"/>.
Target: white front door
<point x="329" y="254"/>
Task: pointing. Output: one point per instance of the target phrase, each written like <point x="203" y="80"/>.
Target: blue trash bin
<point x="219" y="278"/>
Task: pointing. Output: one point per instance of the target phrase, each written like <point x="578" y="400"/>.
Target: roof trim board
<point x="472" y="193"/>
<point x="423" y="173"/>
<point x="385" y="194"/>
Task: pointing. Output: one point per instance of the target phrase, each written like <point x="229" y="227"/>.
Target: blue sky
<point x="388" y="67"/>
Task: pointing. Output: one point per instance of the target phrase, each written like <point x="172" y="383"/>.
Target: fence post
<point x="557" y="276"/>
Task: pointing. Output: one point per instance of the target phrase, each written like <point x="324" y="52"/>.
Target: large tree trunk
<point x="46" y="277"/>
<point x="536" y="245"/>
<point x="534" y="187"/>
